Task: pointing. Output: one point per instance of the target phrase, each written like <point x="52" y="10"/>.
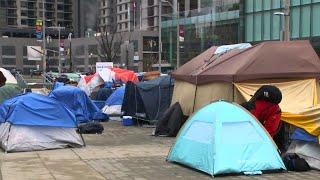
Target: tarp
<point x="36" y="110"/>
<point x="10" y="78"/>
<point x="156" y="96"/>
<point x="8" y="91"/>
<point x="78" y="102"/>
<point x="226" y="48"/>
<point x="90" y="83"/>
<point x="306" y="150"/>
<point x="299" y="104"/>
<point x="302" y="135"/>
<point x="132" y="101"/>
<point x="292" y="59"/>
<point x="216" y="141"/>
<point x="125" y="75"/>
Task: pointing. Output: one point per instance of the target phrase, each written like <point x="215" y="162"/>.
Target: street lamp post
<point x="70" y="52"/>
<point x="160" y="42"/>
<point x="44" y="38"/>
<point x="59" y="28"/>
<point x="285" y="30"/>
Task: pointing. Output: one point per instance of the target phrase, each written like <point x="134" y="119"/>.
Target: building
<point x="196" y="26"/>
<point x="18" y="17"/>
<point x="204" y="23"/>
<point x="86" y="17"/>
<point x="261" y="23"/>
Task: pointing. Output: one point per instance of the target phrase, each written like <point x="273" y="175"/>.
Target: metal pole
<point x="59" y="50"/>
<point x="44" y="38"/>
<point x="287" y="20"/>
<point x="70" y="56"/>
<point x="160" y="42"/>
<point x="178" y="37"/>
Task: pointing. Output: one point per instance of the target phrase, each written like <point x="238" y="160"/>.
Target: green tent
<point x="8" y="91"/>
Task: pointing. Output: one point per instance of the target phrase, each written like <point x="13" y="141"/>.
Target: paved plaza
<point x="119" y="153"/>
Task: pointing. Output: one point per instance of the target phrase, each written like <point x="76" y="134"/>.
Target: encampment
<point x="36" y="122"/>
<point x="154" y="96"/>
<point x="216" y="141"/>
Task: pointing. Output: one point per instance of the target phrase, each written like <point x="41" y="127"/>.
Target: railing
<point x="22" y="83"/>
<point x="47" y="81"/>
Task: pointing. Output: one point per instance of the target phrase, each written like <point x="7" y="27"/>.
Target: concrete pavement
<point x="119" y="153"/>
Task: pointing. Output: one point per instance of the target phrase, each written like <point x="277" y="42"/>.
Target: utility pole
<point x="59" y="28"/>
<point x="160" y="42"/>
<point x="44" y="38"/>
<point x="287" y="20"/>
<point x="70" y="51"/>
<point x="178" y="36"/>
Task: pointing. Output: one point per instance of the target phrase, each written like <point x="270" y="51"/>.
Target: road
<point x="119" y="153"/>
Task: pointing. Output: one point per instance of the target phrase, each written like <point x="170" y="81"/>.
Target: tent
<point x="114" y="102"/>
<point x="154" y="96"/>
<point x="93" y="82"/>
<point x="10" y="78"/>
<point x="216" y="141"/>
<point x="8" y="91"/>
<point x="36" y="122"/>
<point x="78" y="102"/>
<point x="171" y="121"/>
<point x="235" y="75"/>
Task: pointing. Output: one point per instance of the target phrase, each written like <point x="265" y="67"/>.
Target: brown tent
<point x="209" y="77"/>
<point x="273" y="59"/>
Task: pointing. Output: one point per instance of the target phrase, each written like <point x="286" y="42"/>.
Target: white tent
<point x="10" y="78"/>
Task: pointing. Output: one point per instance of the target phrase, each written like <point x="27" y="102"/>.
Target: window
<point x="120" y="17"/>
<point x="126" y="7"/>
<point x="120" y="8"/>
<point x="126" y="16"/>
<point x="103" y="3"/>
<point x="8" y="50"/>
<point x="24" y="12"/>
<point x="24" y="22"/>
<point x="9" y="61"/>
<point x="126" y="25"/>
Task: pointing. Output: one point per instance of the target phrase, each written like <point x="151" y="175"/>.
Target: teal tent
<point x="221" y="138"/>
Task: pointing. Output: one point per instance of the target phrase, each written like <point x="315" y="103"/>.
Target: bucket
<point x="127" y="121"/>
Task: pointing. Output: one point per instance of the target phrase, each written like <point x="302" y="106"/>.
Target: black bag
<point x="294" y="163"/>
<point x="90" y="128"/>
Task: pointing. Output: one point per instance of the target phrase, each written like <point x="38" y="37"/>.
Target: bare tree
<point x="109" y="42"/>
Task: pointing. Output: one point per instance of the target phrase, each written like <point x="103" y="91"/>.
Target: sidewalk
<point x="119" y="153"/>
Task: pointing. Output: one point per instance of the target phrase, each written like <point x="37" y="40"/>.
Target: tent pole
<point x="195" y="94"/>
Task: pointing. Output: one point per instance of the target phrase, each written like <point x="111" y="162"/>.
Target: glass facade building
<point x="201" y="24"/>
<point x="261" y="24"/>
<point x="216" y="22"/>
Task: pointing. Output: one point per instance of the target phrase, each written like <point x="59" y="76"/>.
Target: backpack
<point x="90" y="128"/>
<point x="294" y="163"/>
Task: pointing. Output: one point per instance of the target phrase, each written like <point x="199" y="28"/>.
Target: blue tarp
<point x="302" y="135"/>
<point x="36" y="110"/>
<point x="116" y="98"/>
<point x="57" y="84"/>
<point x="79" y="103"/>
<point x="223" y="138"/>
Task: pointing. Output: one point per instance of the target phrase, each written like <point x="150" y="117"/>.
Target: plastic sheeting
<point x="36" y="110"/>
<point x="116" y="98"/>
<point x="14" y="138"/>
<point x="216" y="141"/>
<point x="308" y="151"/>
<point x="226" y="48"/>
<point x="78" y="102"/>
<point x="10" y="78"/>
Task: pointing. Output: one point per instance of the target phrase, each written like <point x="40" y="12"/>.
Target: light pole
<point x="159" y="41"/>
<point x="59" y="28"/>
<point x="285" y="30"/>
<point x="44" y="38"/>
<point x="70" y="52"/>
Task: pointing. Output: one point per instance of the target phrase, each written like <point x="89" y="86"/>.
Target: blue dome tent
<point x="224" y="138"/>
<point x="37" y="122"/>
<point x="79" y="103"/>
<point x="114" y="102"/>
